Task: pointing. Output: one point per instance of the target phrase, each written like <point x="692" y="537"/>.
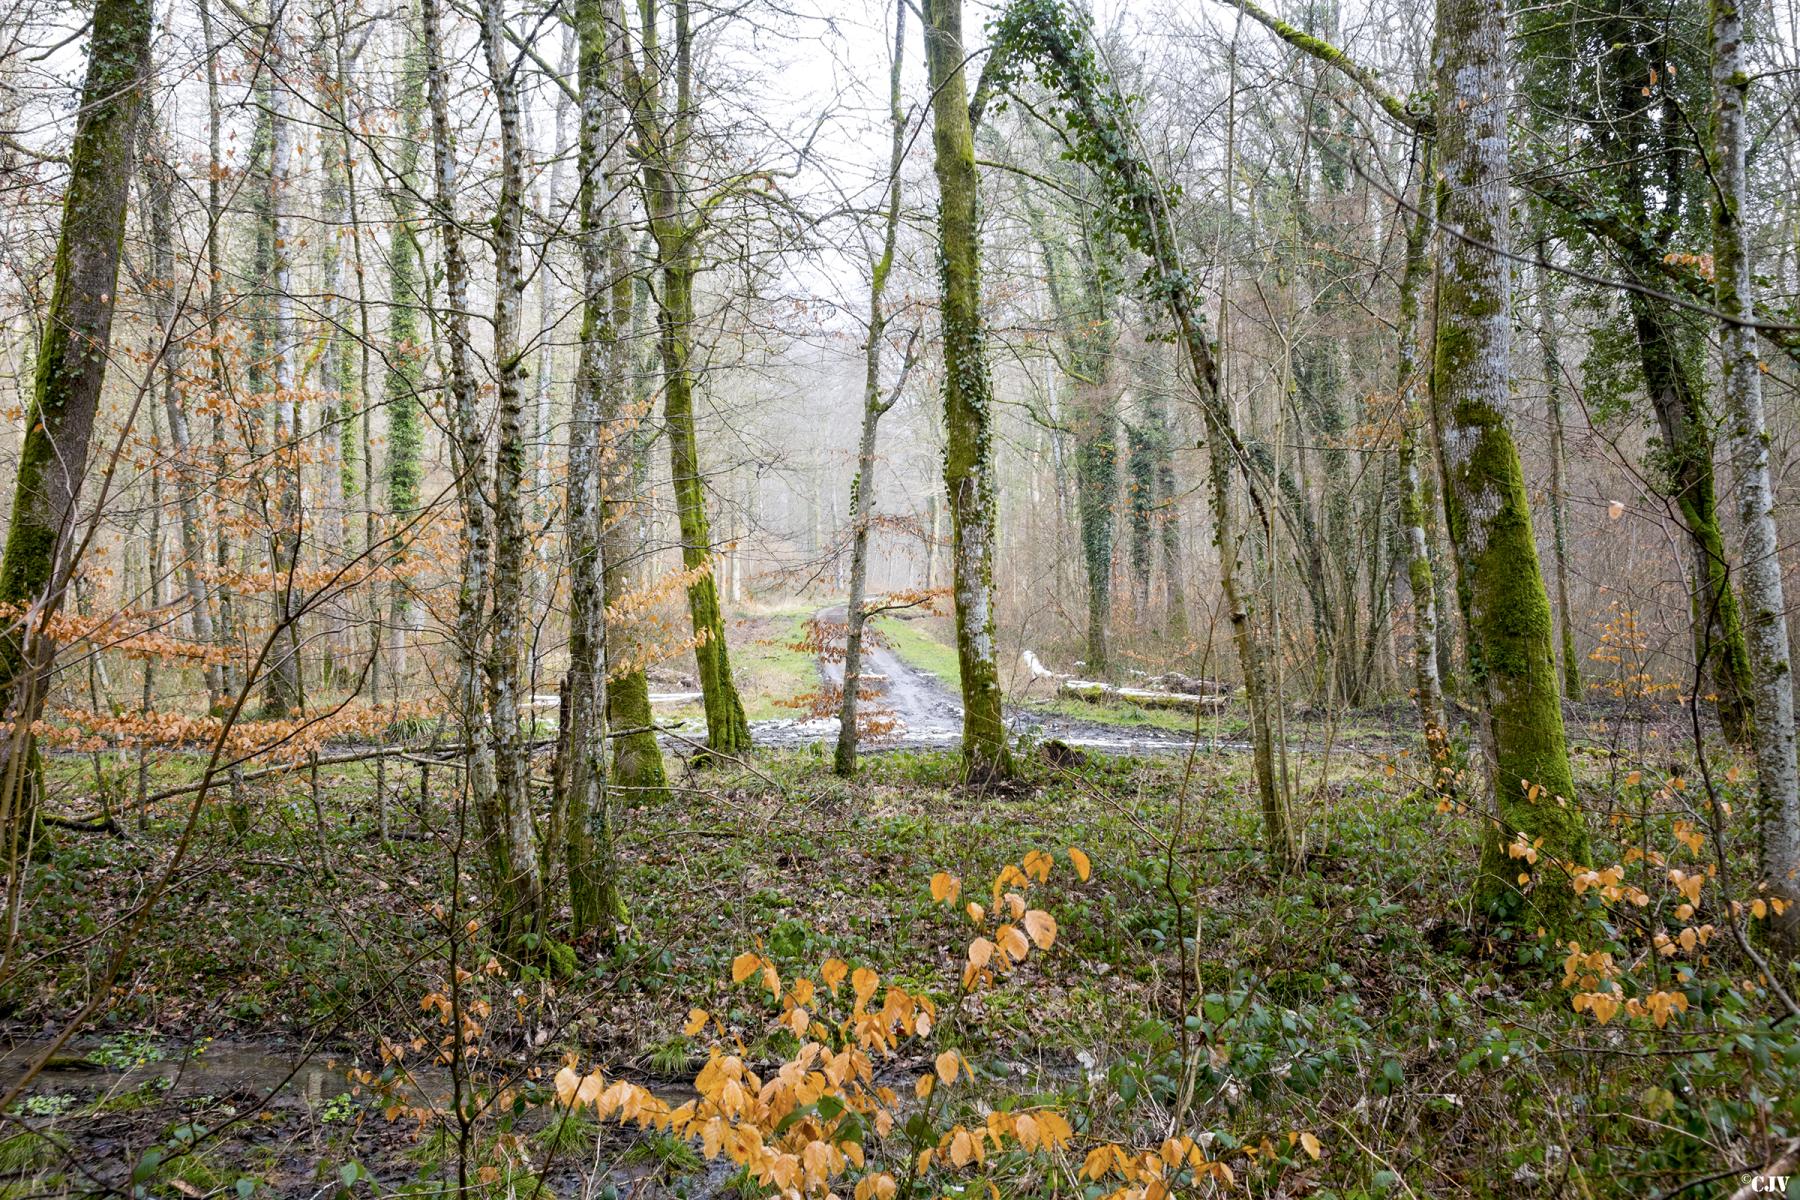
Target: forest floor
<point x="1354" y="1000"/>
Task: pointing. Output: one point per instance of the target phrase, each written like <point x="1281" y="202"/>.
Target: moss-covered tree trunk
<point x="404" y="355"/>
<point x="1505" y="605"/>
<point x="662" y="144"/>
<point x="1168" y="513"/>
<point x="1152" y="497"/>
<point x="1081" y="299"/>
<point x="1746" y="425"/>
<point x="65" y="395"/>
<point x="874" y="408"/>
<point x="727" y="732"/>
<point x="637" y="767"/>
<point x="968" y="398"/>
<point x="1685" y="474"/>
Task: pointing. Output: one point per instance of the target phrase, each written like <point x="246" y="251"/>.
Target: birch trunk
<point x="593" y="868"/>
<point x="1765" y="607"/>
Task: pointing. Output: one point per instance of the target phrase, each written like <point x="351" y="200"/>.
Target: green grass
<point x="26" y="1152"/>
<point x="1135" y="716"/>
<point x="919" y="644"/>
<point x="768" y="668"/>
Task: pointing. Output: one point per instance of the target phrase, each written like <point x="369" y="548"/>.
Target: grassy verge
<point x="768" y="668"/>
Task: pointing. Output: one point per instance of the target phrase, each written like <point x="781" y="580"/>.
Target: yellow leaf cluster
<point x="1587" y="970"/>
<point x="1033" y="1130"/>
<point x="1688" y="884"/>
<point x="1018" y="927"/>
<point x="1610" y="885"/>
<point x="1153" y="1174"/>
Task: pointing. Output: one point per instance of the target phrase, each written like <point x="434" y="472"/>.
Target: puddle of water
<point x="287" y="1078"/>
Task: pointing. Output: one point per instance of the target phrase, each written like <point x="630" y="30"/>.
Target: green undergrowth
<point x="1354" y="999"/>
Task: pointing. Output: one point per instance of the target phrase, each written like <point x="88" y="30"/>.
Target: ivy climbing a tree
<point x="1044" y="42"/>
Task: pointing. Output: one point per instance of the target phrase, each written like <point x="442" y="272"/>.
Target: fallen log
<point x="1095" y="692"/>
<point x="1175" y="681"/>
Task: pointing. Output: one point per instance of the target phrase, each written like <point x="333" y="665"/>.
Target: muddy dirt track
<point x="927" y="714"/>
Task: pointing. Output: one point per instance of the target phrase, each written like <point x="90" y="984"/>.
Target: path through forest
<point x="927" y="713"/>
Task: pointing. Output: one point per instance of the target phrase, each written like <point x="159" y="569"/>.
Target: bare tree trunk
<point x="542" y="418"/>
<point x="238" y="813"/>
<point x="522" y="887"/>
<point x="1559" y="475"/>
<point x="282" y="688"/>
<point x="862" y="498"/>
<point x="1772" y="676"/>
<point x="467" y="455"/>
<point x="1411" y="383"/>
<point x="158" y="189"/>
<point x="336" y="386"/>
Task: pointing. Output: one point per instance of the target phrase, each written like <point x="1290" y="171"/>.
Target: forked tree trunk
<point x="1765" y="607"/>
<point x="593" y="869"/>
<point x="968" y="398"/>
<point x="662" y="138"/>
